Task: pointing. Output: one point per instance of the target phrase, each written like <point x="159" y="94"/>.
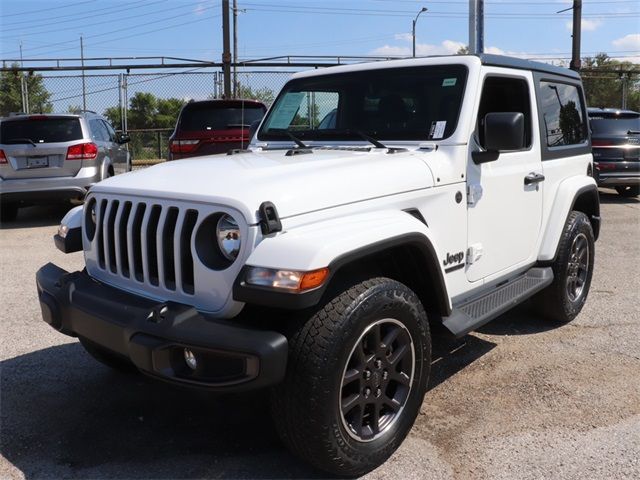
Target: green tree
<point x="168" y="111"/>
<point x="143" y="108"/>
<point x="603" y="82"/>
<point x="263" y="94"/>
<point x="11" y="93"/>
<point x="114" y="116"/>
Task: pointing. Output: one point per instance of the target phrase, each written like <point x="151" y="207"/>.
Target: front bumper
<point x="153" y="335"/>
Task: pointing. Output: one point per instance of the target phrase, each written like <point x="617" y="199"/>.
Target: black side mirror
<point x="123" y="138"/>
<point x="253" y="128"/>
<point x="502" y="131"/>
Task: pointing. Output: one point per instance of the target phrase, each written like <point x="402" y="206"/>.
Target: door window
<point x="503" y="94"/>
<point x="562" y="114"/>
<point x="110" y="131"/>
<point x="98" y="131"/>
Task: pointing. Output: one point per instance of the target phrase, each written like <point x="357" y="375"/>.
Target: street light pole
<point x="413" y="31"/>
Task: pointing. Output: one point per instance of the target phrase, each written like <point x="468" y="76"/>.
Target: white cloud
<point x="587" y="25"/>
<point x="422" y="49"/>
<point x="628" y="42"/>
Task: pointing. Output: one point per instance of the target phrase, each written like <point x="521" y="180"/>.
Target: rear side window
<point x="208" y="117"/>
<point x="563" y="114"/>
<point x="41" y="130"/>
<point x="98" y="130"/>
<point x="615" y="125"/>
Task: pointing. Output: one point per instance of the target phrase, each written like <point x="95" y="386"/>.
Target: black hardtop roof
<point x="519" y="63"/>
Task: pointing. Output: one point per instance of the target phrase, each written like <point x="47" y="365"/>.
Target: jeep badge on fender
<point x="326" y="296"/>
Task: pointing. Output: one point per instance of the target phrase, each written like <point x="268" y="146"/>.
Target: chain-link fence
<point x="146" y="105"/>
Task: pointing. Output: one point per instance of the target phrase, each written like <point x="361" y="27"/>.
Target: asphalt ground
<point x="521" y="399"/>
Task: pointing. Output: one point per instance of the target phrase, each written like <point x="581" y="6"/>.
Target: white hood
<point x="296" y="184"/>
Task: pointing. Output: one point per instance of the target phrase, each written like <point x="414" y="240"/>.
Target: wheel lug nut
<point x="378" y="392"/>
<point x="377" y="363"/>
<point x="367" y="392"/>
<point x="367" y="374"/>
<point x="385" y="375"/>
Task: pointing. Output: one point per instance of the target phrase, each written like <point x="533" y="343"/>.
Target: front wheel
<point x="629" y="190"/>
<point x="356" y="377"/>
<point x="572" y="271"/>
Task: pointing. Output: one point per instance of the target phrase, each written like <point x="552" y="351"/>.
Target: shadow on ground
<point x="64" y="415"/>
<point x="612" y="197"/>
<point x="38" y="216"/>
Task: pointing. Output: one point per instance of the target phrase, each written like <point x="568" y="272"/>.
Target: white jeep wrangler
<point x="374" y="200"/>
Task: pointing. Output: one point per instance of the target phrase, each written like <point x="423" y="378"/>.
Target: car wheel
<point x="104" y="356"/>
<point x="356" y="377"/>
<point x="8" y="211"/>
<point x="629" y="190"/>
<point x="572" y="270"/>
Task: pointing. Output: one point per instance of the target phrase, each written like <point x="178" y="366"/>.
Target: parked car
<point x="213" y="126"/>
<point x="442" y="191"/>
<point x="615" y="138"/>
<point x="47" y="157"/>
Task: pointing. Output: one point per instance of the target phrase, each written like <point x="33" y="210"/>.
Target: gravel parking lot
<point x="522" y="399"/>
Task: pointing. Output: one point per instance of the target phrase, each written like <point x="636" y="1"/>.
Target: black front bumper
<point x="153" y="335"/>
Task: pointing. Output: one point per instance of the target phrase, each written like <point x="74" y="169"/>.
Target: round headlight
<point x="228" y="235"/>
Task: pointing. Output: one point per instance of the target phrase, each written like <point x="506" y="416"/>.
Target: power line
<point x="48" y="20"/>
<point x="47" y="9"/>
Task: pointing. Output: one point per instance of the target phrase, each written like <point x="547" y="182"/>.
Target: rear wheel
<point x="8" y="211"/>
<point x="628" y="190"/>
<point x="104" y="356"/>
<point x="356" y="377"/>
<point x="572" y="271"/>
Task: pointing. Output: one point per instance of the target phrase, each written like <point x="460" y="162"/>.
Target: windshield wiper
<point x="298" y="142"/>
<point x="14" y="141"/>
<point x="364" y="136"/>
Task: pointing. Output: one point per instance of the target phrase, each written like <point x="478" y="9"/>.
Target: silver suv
<point x="49" y="157"/>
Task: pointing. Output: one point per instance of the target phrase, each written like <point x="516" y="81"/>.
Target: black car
<point x="615" y="138"/>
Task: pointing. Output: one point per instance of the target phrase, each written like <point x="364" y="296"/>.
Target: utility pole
<point x="413" y="30"/>
<point x="624" y="78"/>
<point x="235" y="48"/>
<point x="575" y="34"/>
<point x="226" y="54"/>
<point x="84" y="88"/>
<point x="476" y="26"/>
<point x="23" y="86"/>
<point x="577" y="27"/>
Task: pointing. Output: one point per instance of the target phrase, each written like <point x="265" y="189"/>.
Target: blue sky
<point x="192" y="28"/>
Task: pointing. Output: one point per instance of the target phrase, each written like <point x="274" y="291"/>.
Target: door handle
<point x="533" y="178"/>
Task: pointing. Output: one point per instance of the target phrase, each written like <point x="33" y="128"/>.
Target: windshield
<point x="41" y="130"/>
<point x="409" y="103"/>
<point x="611" y="125"/>
<point x="208" y="117"/>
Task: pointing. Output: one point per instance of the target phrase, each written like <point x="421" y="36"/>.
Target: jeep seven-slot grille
<point x="147" y="242"/>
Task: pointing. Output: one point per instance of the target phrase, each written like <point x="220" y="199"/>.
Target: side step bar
<point x="476" y="311"/>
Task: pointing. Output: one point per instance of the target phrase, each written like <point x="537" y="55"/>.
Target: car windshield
<point x="198" y="117"/>
<point x="40" y="130"/>
<point x="615" y="125"/>
<point x="408" y="103"/>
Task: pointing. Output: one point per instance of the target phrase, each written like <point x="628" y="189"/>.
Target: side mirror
<point x="123" y="138"/>
<point x="504" y="131"/>
<point x="253" y="128"/>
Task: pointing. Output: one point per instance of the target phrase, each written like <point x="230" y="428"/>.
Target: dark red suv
<point x="213" y="126"/>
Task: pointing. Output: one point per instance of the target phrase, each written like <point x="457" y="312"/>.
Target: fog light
<point x="190" y="359"/>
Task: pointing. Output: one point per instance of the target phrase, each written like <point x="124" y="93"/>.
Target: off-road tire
<point x="306" y="407"/>
<point x="628" y="191"/>
<point x="111" y="360"/>
<point x="554" y="302"/>
<point x="8" y="211"/>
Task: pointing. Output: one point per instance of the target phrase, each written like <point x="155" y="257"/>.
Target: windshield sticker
<point x="286" y="110"/>
<point x="437" y="129"/>
<point x="449" y="82"/>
